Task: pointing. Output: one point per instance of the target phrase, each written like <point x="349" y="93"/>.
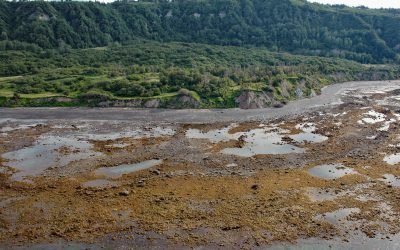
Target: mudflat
<point x="316" y="173"/>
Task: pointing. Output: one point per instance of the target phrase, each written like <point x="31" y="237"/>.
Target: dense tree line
<point x="363" y="35"/>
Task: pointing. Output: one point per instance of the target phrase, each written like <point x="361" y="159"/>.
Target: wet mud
<point x="326" y="177"/>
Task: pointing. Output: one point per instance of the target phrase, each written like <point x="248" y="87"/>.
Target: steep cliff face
<point x="154" y="103"/>
<point x="249" y="99"/>
<point x="182" y="101"/>
<point x="254" y="100"/>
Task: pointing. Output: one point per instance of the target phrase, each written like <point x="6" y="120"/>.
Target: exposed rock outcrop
<point x="285" y="88"/>
<point x="255" y="100"/>
<point x="153" y="103"/>
<point x="182" y="101"/>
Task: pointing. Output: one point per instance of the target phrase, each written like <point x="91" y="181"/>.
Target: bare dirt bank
<point x="331" y="95"/>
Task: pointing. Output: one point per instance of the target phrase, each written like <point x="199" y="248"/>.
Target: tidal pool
<point x="329" y="194"/>
<point x="10" y="125"/>
<point x="338" y="216"/>
<point x="217" y="135"/>
<point x="18" y="127"/>
<point x="330" y="171"/>
<point x="372" y="117"/>
<point x="134" y="133"/>
<point x="261" y="140"/>
<point x="308" y="134"/>
<point x="308" y="137"/>
<point x="386" y="125"/>
<point x="392" y="159"/>
<point x="391" y="180"/>
<point x="47" y="151"/>
<point x="317" y="194"/>
<point x="118" y="171"/>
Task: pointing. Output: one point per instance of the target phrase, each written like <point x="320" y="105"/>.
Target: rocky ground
<point x="331" y="175"/>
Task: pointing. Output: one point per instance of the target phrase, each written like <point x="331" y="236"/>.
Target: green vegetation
<point x="204" y="53"/>
<point x="296" y="26"/>
<point x="212" y="75"/>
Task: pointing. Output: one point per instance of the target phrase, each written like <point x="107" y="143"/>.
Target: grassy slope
<point x="143" y="63"/>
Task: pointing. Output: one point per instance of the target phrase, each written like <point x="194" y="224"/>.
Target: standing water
<point x="118" y="171"/>
<point x="330" y="171"/>
<point x="47" y="151"/>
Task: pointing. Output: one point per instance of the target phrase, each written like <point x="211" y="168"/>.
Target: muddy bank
<point x="331" y="95"/>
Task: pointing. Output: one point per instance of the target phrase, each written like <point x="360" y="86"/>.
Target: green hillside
<point x="363" y="35"/>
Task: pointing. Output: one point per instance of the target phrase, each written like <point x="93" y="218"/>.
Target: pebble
<point x="124" y="193"/>
<point x="254" y="187"/>
<point x="156" y="172"/>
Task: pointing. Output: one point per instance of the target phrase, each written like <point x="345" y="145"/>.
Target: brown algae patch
<point x="272" y="199"/>
<point x="198" y="194"/>
<point x="162" y="203"/>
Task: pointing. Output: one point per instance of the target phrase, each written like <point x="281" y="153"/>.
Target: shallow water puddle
<point x="386" y="125"/>
<point x="218" y="135"/>
<point x="329" y="194"/>
<point x="69" y="126"/>
<point x="317" y="194"/>
<point x="356" y="241"/>
<point x="338" y="216"/>
<point x="307" y="127"/>
<point x="392" y="159"/>
<point x="308" y="137"/>
<point x="391" y="180"/>
<point x="118" y="171"/>
<point x="261" y="140"/>
<point x="48" y="151"/>
<point x="330" y="171"/>
<point x="258" y="141"/>
<point x="135" y="134"/>
<point x="19" y="127"/>
<point x="390" y="101"/>
<point x="308" y="134"/>
<point x="230" y="165"/>
<point x="372" y="117"/>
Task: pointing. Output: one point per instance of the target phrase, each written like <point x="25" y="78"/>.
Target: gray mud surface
<point x="319" y="173"/>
